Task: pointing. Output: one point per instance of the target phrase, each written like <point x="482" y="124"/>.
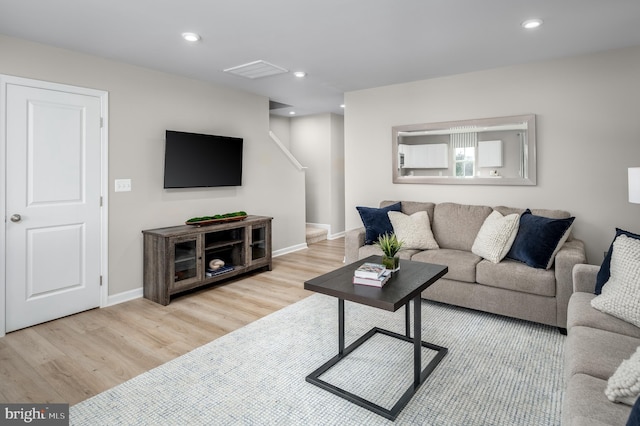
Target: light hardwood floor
<point x="73" y="358"/>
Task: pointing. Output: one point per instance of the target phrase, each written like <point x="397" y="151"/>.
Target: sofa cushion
<point x="517" y="276"/>
<point x="455" y="226"/>
<point x="620" y="297"/>
<point x="496" y="236"/>
<point x="413" y="230"/>
<point x="581" y="313"/>
<point x="551" y="214"/>
<point x="605" y="269"/>
<point x="366" y="251"/>
<point x="461" y="264"/>
<point x="376" y="221"/>
<point x="410" y="207"/>
<point x="539" y="239"/>
<point x="585" y="404"/>
<point x="624" y="385"/>
<point x="596" y="352"/>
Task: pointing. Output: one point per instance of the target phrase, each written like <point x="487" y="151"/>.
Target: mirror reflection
<point x="494" y="151"/>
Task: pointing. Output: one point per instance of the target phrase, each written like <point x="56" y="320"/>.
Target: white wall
<point x="144" y="103"/>
<point x="317" y="141"/>
<point x="310" y="144"/>
<point x="337" y="174"/>
<point x="281" y="127"/>
<point x="588" y="134"/>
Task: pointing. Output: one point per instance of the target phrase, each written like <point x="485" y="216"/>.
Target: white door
<point x="53" y="197"/>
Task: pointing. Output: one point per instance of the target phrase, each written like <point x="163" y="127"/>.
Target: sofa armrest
<point x="572" y="253"/>
<point x="584" y="278"/>
<point x="353" y="240"/>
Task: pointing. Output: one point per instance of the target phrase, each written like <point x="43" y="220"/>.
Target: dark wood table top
<point x="404" y="285"/>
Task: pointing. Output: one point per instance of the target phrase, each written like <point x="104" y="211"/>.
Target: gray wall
<point x="588" y="134"/>
<point x="142" y="105"/>
<point x="317" y="141"/>
<point x="337" y="174"/>
<point x="281" y="127"/>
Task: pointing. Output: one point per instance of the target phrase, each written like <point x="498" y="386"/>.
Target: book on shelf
<point x="373" y="282"/>
<point x="214" y="272"/>
<point x="369" y="270"/>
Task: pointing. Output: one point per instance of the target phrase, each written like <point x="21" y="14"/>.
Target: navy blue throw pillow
<point x="605" y="269"/>
<point x="538" y="240"/>
<point x="376" y="221"/>
<point x="634" y="416"/>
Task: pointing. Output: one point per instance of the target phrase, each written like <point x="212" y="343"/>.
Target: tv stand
<point x="177" y="258"/>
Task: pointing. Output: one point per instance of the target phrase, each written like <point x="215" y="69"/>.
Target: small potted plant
<point x="390" y="247"/>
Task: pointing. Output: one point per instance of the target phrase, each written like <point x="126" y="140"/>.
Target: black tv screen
<point x="194" y="160"/>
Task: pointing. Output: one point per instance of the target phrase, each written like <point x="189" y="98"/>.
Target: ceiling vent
<point x="256" y="69"/>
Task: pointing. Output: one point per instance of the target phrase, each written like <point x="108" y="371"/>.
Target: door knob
<point x="16" y="218"/>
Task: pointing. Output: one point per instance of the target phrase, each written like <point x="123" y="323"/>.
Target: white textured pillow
<point x="624" y="385"/>
<point x="414" y="231"/>
<point x="621" y="294"/>
<point x="496" y="236"/>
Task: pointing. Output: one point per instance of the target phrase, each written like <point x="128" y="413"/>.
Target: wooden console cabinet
<point x="177" y="258"/>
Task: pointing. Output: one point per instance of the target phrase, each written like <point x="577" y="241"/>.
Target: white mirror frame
<point x="525" y="122"/>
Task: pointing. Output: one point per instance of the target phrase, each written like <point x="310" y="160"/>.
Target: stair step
<point x="315" y="235"/>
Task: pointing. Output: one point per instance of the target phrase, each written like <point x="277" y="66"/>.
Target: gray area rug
<point x="499" y="371"/>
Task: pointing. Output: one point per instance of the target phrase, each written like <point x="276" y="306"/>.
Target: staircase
<point x="315" y="235"/>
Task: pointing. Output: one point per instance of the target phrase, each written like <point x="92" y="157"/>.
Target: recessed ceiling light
<point x="342" y="106"/>
<point x="530" y="24"/>
<point x="292" y="113"/>
<point x="300" y="74"/>
<point x="192" y="37"/>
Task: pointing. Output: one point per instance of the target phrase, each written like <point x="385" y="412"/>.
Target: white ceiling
<point x="343" y="45"/>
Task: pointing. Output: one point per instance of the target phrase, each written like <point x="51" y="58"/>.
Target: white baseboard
<point x="330" y="236"/>
<point x="291" y="249"/>
<point x="320" y="225"/>
<point x="125" y="296"/>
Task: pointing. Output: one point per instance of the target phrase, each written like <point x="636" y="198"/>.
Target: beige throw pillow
<point x="621" y="294"/>
<point x="624" y="385"/>
<point x="414" y="231"/>
<point x="496" y="236"/>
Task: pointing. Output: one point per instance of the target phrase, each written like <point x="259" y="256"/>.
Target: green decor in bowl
<point x="219" y="218"/>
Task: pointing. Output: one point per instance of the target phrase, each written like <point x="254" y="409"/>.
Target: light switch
<point x="123" y="185"/>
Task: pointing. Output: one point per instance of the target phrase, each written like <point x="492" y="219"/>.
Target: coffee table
<point x="403" y="286"/>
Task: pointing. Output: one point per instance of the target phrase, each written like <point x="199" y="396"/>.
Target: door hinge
<point x="101" y="201"/>
<point x="101" y="122"/>
<point x="100" y="280"/>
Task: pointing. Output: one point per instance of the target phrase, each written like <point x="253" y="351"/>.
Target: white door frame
<point x="104" y="185"/>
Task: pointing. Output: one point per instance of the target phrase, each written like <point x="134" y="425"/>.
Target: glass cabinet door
<point x="185" y="261"/>
<point x="258" y="242"/>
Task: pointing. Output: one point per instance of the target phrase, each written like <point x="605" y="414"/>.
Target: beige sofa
<point x="508" y="288"/>
<point x="596" y="345"/>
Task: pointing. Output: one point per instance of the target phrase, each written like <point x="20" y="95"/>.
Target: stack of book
<point x="221" y="270"/>
<point x="372" y="274"/>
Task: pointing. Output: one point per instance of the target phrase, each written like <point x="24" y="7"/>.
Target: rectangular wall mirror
<point x="488" y="151"/>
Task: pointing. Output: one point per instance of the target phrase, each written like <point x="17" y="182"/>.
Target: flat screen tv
<point x="193" y="160"/>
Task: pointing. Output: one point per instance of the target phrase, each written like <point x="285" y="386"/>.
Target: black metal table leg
<point x="407" y="325"/>
<point x="340" y="327"/>
<point x="417" y="340"/>
<point x="419" y="375"/>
